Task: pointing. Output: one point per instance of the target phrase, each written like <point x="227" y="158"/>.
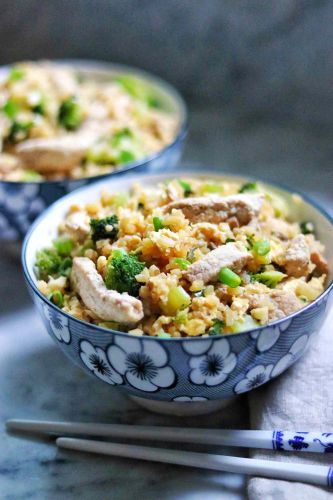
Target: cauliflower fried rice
<point x="186" y="258"/>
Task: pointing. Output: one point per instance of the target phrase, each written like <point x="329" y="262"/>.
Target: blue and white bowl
<point x="168" y="374"/>
<point x="22" y="202"/>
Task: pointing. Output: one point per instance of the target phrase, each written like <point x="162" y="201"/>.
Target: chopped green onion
<point x="182" y="263"/>
<point x="229" y="240"/>
<point x="57" y="298"/>
<point x="186" y="187"/>
<point x="11" y="108"/>
<point x="261" y="247"/>
<point x="63" y="245"/>
<point x="163" y="335"/>
<point x="126" y="156"/>
<point x="212" y="188"/>
<point x="181" y="317"/>
<point x="138" y="89"/>
<point x="178" y="299"/>
<point x="307" y="227"/>
<point x="15" y="74"/>
<point x="158" y="223"/>
<point x="31" y="176"/>
<point x="70" y="114"/>
<point x="248" y="323"/>
<point x="217" y="327"/>
<point x="228" y="277"/>
<point x="248" y="186"/>
<point x="270" y="278"/>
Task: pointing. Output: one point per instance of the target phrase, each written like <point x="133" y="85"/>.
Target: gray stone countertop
<point x="37" y="381"/>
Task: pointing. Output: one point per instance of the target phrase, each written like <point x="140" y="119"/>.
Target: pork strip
<point x="109" y="305"/>
<point x="215" y="209"/>
<point x="232" y="255"/>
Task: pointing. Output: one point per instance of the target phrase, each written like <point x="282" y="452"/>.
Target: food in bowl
<point x="186" y="258"/>
<point x="56" y="123"/>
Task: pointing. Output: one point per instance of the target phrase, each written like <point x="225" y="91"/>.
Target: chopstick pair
<point x="276" y="440"/>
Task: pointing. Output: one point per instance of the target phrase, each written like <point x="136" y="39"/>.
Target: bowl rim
<point x="181" y="173"/>
<point x="85" y="64"/>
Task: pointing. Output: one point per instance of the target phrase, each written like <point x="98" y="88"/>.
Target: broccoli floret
<point x="70" y="114"/>
<point x="48" y="263"/>
<point x="121" y="272"/>
<point x="104" y="228"/>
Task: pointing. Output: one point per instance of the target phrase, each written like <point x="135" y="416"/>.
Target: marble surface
<point x="37" y="381"/>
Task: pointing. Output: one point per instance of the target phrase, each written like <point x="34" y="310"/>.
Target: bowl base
<point x="183" y="408"/>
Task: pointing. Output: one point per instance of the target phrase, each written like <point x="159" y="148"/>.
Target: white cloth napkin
<point x="301" y="399"/>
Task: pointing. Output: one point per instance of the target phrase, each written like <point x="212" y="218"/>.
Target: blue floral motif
<point x="269" y="336"/>
<point x="277" y="440"/>
<point x="144" y="365"/>
<point x="254" y="377"/>
<point x="328" y="447"/>
<point x="19" y="205"/>
<point x="59" y="324"/>
<point x="189" y="399"/>
<point x="297" y="443"/>
<point x="95" y="360"/>
<point x="288" y="359"/>
<point x="211" y="362"/>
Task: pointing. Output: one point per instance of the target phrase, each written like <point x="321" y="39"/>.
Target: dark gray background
<point x="257" y="74"/>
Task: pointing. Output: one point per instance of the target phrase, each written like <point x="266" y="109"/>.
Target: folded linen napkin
<point x="301" y="399"/>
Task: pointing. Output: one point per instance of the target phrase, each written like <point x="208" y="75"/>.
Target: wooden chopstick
<point x="313" y="474"/>
<point x="276" y="440"/>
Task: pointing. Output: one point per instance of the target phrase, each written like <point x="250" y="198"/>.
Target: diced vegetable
<point x="307" y="227"/>
<point x="11" y="108"/>
<point x="270" y="278"/>
<point x="158" y="223"/>
<point x="230" y="240"/>
<point x="249" y="186"/>
<point x="47" y="262"/>
<point x="65" y="267"/>
<point x="217" y="327"/>
<point x="186" y="187"/>
<point x="163" y="335"/>
<point x="121" y="271"/>
<point x="19" y="131"/>
<point x="104" y="228"/>
<point x="261" y="247"/>
<point x="63" y="245"/>
<point x="248" y="324"/>
<point x="199" y="293"/>
<point x="31" y="176"/>
<point x="228" y="277"/>
<point x="280" y="205"/>
<point x="178" y="299"/>
<point x="181" y="317"/>
<point x="57" y="298"/>
<point x="15" y="74"/>
<point x="70" y="114"/>
<point x="182" y="263"/>
<point x="211" y="188"/>
<point x="138" y="89"/>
